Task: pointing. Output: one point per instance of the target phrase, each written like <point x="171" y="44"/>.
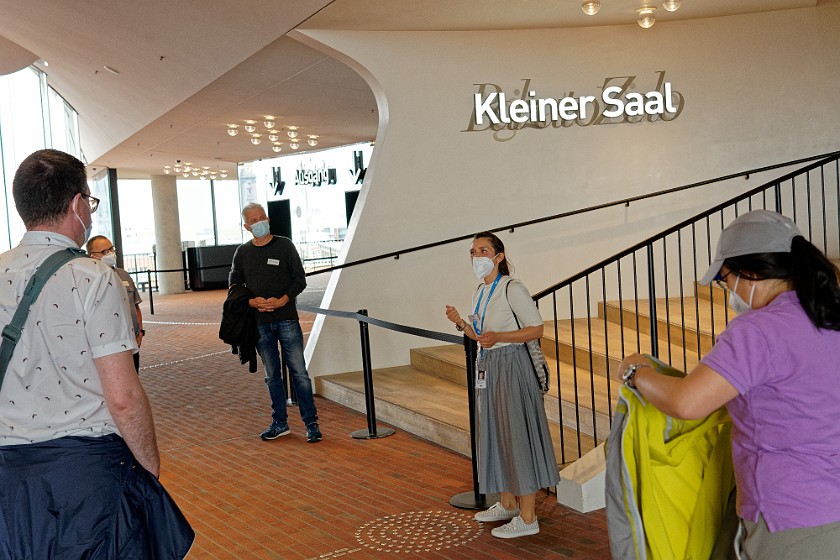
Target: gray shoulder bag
<point x="538" y="361"/>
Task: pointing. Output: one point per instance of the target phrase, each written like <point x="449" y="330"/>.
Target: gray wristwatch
<point x="630" y="373"/>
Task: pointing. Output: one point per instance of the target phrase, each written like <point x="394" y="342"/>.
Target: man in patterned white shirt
<point x="78" y="455"/>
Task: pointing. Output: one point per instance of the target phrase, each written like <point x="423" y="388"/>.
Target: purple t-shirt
<point x="786" y="420"/>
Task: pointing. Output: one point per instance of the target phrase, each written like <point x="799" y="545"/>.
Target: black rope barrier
<point x="466" y="500"/>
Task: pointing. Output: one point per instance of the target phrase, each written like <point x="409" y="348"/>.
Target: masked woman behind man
<point x="515" y="453"/>
<point x="776" y="367"/>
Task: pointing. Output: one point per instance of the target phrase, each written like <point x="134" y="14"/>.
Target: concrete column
<point x="167" y="234"/>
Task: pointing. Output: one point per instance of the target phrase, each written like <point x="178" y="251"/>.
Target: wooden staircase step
<point x="586" y="343"/>
<point x="694" y="324"/>
<point x="711" y="293"/>
<point x="427" y="406"/>
<point x="448" y="363"/>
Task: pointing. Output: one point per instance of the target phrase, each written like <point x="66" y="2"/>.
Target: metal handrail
<point x="622" y="202"/>
<point x="661" y="268"/>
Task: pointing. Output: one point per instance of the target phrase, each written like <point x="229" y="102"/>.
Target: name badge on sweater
<point x="274" y="262"/>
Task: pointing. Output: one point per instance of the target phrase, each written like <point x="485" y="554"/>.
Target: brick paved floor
<point x="286" y="499"/>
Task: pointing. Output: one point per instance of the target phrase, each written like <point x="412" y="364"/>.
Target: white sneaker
<point x="496" y="513"/>
<point x="516" y="528"/>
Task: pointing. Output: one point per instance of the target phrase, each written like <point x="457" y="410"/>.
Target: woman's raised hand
<point x="453" y="315"/>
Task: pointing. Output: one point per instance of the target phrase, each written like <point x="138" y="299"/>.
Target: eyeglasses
<point x="720" y="280"/>
<point x="92" y="201"/>
<point x="107" y="251"/>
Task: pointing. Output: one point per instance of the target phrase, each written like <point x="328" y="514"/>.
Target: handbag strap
<point x="507" y="299"/>
<point x="12" y="331"/>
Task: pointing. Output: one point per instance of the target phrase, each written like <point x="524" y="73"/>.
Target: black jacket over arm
<point x="239" y="326"/>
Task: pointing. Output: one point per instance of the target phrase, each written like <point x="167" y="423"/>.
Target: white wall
<point x="759" y="90"/>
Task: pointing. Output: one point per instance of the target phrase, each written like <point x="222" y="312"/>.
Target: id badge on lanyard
<point x="481" y="371"/>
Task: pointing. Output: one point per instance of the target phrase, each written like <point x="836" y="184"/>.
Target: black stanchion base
<point x="467" y="500"/>
<point x="380" y="433"/>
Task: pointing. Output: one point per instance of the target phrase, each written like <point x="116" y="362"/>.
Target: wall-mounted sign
<point x="619" y="102"/>
<point x="315" y="176"/>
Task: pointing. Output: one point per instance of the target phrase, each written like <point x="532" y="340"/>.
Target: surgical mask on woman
<point x="260" y="229"/>
<point x="109" y="260"/>
<point x="482" y="266"/>
<point x="736" y="303"/>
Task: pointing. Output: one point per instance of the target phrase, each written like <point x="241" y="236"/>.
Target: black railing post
<point x="371" y="432"/>
<point x="474" y="499"/>
<point x="654" y="335"/>
<point x="151" y="299"/>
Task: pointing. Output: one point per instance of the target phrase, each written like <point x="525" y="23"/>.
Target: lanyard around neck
<point x="476" y="328"/>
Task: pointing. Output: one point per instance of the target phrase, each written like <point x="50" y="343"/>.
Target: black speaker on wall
<point x="350" y="198"/>
<point x="280" y="214"/>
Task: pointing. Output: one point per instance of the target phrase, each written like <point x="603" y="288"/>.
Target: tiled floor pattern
<point x="286" y="499"/>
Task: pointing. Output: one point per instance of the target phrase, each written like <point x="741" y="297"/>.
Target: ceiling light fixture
<point x="249" y="126"/>
<point x="672" y="5"/>
<point x="255" y="139"/>
<point x="269" y="121"/>
<point x="276" y="147"/>
<point x="313" y="140"/>
<point x="272" y="135"/>
<point x="292" y="132"/>
<point x="233" y="129"/>
<point x="294" y="144"/>
<point x="223" y="174"/>
<point x="646" y="16"/>
<point x="111" y="69"/>
<point x="590" y="8"/>
<point x="167" y="169"/>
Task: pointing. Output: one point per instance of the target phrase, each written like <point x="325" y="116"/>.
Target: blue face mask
<point x="260" y="229"/>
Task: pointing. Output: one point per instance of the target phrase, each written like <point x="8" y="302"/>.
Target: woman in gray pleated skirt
<point x="515" y="452"/>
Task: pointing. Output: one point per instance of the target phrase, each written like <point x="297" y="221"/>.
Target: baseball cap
<point x="759" y="231"/>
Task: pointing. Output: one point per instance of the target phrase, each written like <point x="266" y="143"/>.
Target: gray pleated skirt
<point x="515" y="453"/>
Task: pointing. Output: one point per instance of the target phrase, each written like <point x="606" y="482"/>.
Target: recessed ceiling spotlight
<point x="672" y="5"/>
<point x="269" y="121"/>
<point x="590" y="8"/>
<point x="249" y="126"/>
<point x="646" y="16"/>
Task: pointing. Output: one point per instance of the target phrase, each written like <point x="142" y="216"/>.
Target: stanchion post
<point x="151" y="299"/>
<point x="288" y="382"/>
<point x="474" y="499"/>
<point x="371" y="432"/>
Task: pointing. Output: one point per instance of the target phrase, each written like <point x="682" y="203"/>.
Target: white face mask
<point x="482" y="266"/>
<point x="109" y="260"/>
<point x="737" y="304"/>
<point x="88" y="229"/>
<point x="260" y="229"/>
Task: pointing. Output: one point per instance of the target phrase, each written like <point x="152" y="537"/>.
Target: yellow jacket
<point x="668" y="483"/>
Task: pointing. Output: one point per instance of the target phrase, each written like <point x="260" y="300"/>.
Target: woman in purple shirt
<point x="776" y="367"/>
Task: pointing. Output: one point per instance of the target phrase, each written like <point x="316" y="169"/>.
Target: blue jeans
<point x="290" y="337"/>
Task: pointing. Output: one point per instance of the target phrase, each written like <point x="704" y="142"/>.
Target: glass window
<point x="195" y="212"/>
<point x="136" y="216"/>
<point x="228" y="212"/>
<point x="21" y="133"/>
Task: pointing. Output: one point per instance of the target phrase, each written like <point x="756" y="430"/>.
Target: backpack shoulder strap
<point x="12" y="331"/>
